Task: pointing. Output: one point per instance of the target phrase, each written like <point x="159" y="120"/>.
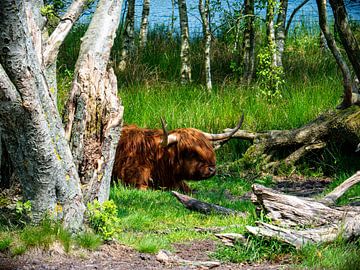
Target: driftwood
<point x="274" y="148"/>
<point x="203" y="207"/>
<point x="302" y="220"/>
<point x="168" y="258"/>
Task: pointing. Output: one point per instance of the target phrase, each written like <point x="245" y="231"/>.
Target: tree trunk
<point x="205" y="18"/>
<point x="248" y="48"/>
<point x="270" y="30"/>
<point x="280" y="32"/>
<point x="144" y="23"/>
<point x="185" y="71"/>
<point x="297" y="143"/>
<point x="31" y="126"/>
<point x="93" y="113"/>
<point x="347" y="37"/>
<point x="347" y="80"/>
<point x="128" y="36"/>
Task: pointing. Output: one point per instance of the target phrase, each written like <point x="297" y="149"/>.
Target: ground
<point x="115" y="256"/>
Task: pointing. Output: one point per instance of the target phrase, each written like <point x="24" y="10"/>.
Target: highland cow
<point x="158" y="159"/>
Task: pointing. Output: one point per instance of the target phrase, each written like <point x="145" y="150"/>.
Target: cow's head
<point x="193" y="150"/>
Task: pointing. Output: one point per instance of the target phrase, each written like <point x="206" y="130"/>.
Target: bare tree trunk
<point x="347" y="37"/>
<point x="270" y="30"/>
<point x="185" y="46"/>
<point x="280" y="32"/>
<point x="347" y="80"/>
<point x="128" y="40"/>
<point x="57" y="37"/>
<point x="93" y="113"/>
<point x="248" y="49"/>
<point x="144" y="23"/>
<point x="205" y="17"/>
<point x="31" y="126"/>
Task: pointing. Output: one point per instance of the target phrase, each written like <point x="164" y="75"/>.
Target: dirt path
<point x="119" y="257"/>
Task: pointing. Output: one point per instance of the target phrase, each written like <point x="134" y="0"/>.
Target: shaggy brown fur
<point x="141" y="161"/>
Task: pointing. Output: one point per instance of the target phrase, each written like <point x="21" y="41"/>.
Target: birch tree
<point x="144" y="23"/>
<point x="185" y="71"/>
<point x="128" y="36"/>
<point x="205" y="18"/>
<point x="248" y="47"/>
<point x="30" y="124"/>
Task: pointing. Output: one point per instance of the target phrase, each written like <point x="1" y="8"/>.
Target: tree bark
<point x="128" y="36"/>
<point x="347" y="80"/>
<point x="205" y="18"/>
<point x="280" y="32"/>
<point x="93" y="113"/>
<point x="57" y="37"/>
<point x="203" y="207"/>
<point x="270" y="30"/>
<point x="248" y="48"/>
<point x="185" y="72"/>
<point x="144" y="23"/>
<point x="347" y="37"/>
<point x="31" y="126"/>
<point x="294" y="215"/>
<point x="339" y="126"/>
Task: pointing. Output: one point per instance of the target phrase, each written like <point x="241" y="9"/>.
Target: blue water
<point x="160" y="12"/>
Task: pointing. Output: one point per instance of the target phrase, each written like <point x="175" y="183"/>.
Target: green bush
<point x="103" y="218"/>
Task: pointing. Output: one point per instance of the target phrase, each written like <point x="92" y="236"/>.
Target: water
<point x="160" y="13"/>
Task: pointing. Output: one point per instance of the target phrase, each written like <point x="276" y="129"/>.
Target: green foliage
<point x="88" y="240"/>
<point x="23" y="212"/>
<point x="103" y="218"/>
<point x="5" y="242"/>
<point x="336" y="256"/>
<point x="270" y="77"/>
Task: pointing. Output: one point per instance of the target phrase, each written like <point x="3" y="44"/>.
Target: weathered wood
<point x="301" y="220"/>
<point x="229" y="239"/>
<point x="168" y="258"/>
<point x="342" y="188"/>
<point x="342" y="126"/>
<point x="203" y="207"/>
<point x="93" y="114"/>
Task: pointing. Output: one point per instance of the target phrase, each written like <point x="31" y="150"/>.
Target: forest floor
<point x="114" y="255"/>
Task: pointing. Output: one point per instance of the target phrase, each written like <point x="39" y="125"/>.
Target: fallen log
<point x="300" y="221"/>
<point x="277" y="148"/>
<point x="204" y="207"/>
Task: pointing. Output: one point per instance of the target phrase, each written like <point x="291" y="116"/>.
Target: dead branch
<point x="203" y="207"/>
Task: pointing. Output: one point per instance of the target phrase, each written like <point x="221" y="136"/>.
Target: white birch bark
<point x="93" y="113"/>
<point x="144" y="23"/>
<point x="270" y="30"/>
<point x="57" y="37"/>
<point x="128" y="36"/>
<point x="185" y="71"/>
<point x="280" y="32"/>
<point x="205" y="18"/>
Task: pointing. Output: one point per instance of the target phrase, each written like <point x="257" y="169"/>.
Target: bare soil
<point x="119" y="257"/>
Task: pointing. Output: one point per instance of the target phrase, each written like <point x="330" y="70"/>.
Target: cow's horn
<point x="167" y="139"/>
<point x="226" y="135"/>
